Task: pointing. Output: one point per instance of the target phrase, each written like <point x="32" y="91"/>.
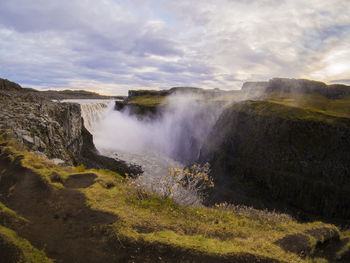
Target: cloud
<point x="112" y="46"/>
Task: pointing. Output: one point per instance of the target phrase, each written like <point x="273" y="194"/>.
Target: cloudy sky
<point x="114" y="45"/>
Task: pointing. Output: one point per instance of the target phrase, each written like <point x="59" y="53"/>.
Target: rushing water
<point x="116" y="134"/>
<point x="170" y="141"/>
<point x="92" y="111"/>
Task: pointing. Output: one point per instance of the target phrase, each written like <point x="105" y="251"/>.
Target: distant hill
<point x="9" y="86"/>
<point x="74" y="94"/>
<point x="296" y="86"/>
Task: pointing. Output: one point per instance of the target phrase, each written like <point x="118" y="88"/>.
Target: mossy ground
<point x="311" y="107"/>
<point x="16" y="249"/>
<point x="148" y="100"/>
<point x="211" y="231"/>
<point x="146" y="218"/>
<point x="314" y="102"/>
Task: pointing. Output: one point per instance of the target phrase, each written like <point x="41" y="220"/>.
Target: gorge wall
<point x="275" y="153"/>
<point x="257" y="157"/>
<point x="53" y="129"/>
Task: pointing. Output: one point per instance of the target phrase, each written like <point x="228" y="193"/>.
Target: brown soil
<point x="80" y="180"/>
<point x="59" y="221"/>
<point x="327" y="247"/>
<point x="295" y="243"/>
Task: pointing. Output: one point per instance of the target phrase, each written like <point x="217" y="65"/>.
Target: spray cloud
<point x="178" y="133"/>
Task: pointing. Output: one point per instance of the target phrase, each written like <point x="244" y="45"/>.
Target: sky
<point x="111" y="46"/>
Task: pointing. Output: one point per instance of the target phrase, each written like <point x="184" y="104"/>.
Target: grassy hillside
<point x="100" y="214"/>
<point x="149" y="100"/>
<point x="334" y="107"/>
<point x="288" y="110"/>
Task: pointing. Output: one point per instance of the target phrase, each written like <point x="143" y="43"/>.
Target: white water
<point x="116" y="134"/>
<point x="152" y="144"/>
<point x="92" y="111"/>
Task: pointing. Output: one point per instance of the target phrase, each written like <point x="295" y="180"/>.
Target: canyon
<point x="280" y="145"/>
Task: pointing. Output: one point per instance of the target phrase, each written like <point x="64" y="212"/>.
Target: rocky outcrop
<point x="53" y="129"/>
<point x="303" y="86"/>
<point x="6" y="85"/>
<point x="265" y="153"/>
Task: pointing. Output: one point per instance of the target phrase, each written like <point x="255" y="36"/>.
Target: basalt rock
<point x="53" y="129"/>
<point x="264" y="153"/>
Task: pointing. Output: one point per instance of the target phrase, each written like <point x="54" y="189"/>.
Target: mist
<point x="178" y="133"/>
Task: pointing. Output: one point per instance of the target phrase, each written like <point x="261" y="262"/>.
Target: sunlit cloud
<point x="112" y="46"/>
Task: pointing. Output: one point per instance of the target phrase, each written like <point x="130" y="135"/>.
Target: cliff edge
<point x="55" y="130"/>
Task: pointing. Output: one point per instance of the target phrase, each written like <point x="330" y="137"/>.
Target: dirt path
<point x="68" y="231"/>
<point x="59" y="220"/>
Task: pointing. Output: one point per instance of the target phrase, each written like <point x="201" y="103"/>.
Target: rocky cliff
<point x="265" y="153"/>
<point x="301" y="86"/>
<point x="53" y="129"/>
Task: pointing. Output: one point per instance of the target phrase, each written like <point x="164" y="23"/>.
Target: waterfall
<point x="171" y="141"/>
<point x="93" y="111"/>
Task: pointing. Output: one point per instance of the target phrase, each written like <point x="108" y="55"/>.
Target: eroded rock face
<point x="6" y="85"/>
<point x="53" y="129"/>
<point x="261" y="156"/>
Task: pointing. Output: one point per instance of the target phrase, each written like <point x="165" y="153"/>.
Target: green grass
<point x="213" y="231"/>
<point x="8" y="214"/>
<point x="149" y="100"/>
<point x="20" y="249"/>
<point x="314" y="102"/>
<point x="288" y="112"/>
